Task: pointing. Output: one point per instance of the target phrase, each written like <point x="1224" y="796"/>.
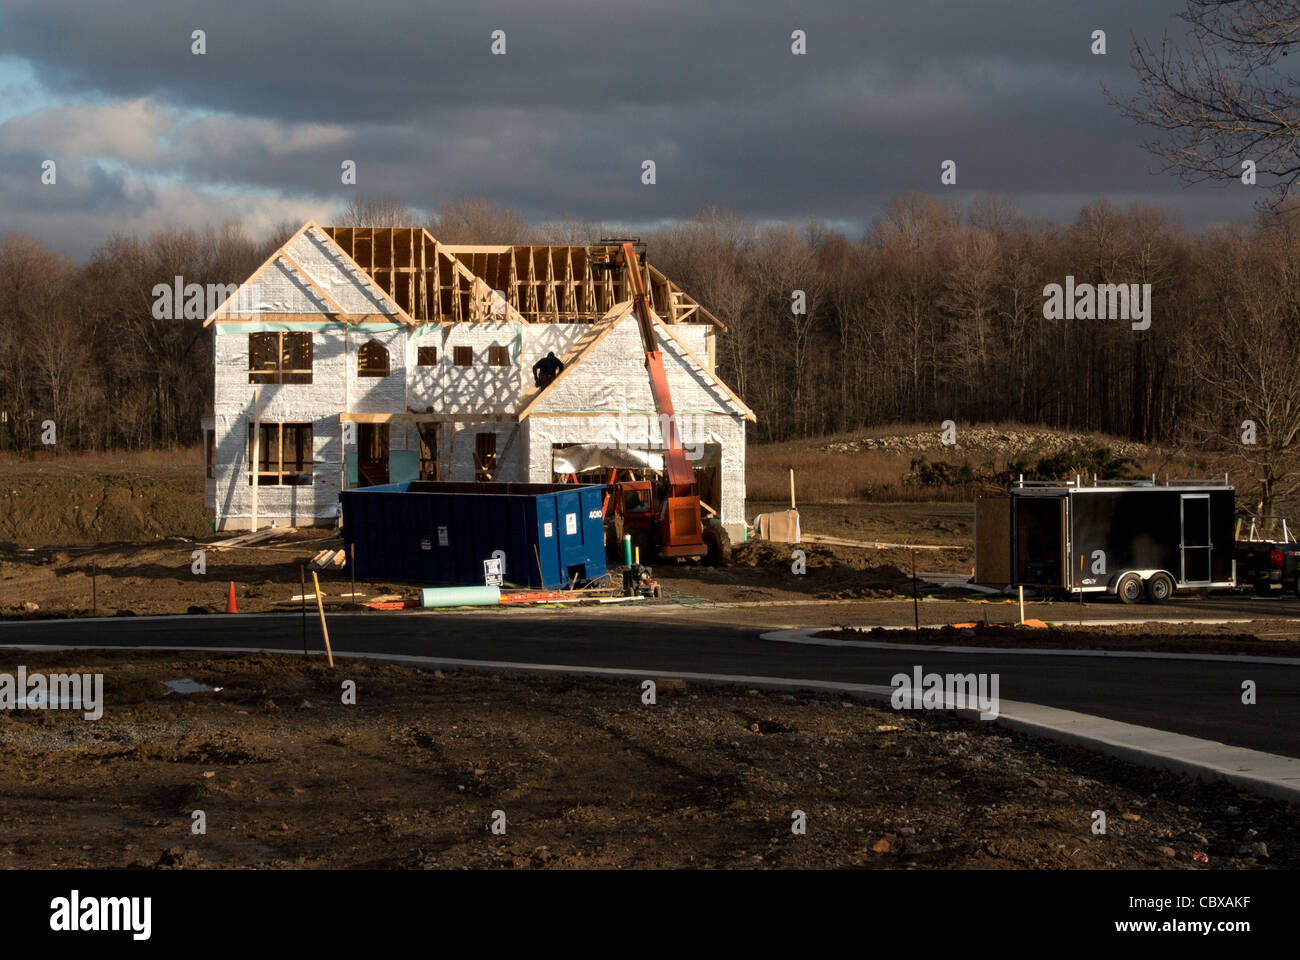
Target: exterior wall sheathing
<point x="605" y="399"/>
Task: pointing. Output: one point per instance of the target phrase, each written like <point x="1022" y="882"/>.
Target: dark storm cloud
<point x="587" y="91"/>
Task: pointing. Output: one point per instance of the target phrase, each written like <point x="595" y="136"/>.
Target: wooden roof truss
<point x="435" y="282"/>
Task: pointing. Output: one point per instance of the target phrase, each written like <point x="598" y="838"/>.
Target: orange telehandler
<point x="663" y="518"/>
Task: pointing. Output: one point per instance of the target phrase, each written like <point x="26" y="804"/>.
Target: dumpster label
<point x="442" y="536"/>
<point x="594" y="515"/>
<point x="570" y="523"/>
<point x="493" y="575"/>
<point x="546" y="530"/>
<point x="426" y="544"/>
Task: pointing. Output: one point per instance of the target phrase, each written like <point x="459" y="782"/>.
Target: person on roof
<point x="547" y="369"/>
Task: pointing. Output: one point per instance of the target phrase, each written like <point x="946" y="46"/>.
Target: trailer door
<point x="1196" y="544"/>
<point x="993" y="541"/>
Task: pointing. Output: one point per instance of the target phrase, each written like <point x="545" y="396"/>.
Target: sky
<point x="146" y="134"/>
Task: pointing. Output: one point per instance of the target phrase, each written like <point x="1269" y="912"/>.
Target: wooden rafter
<point x="542" y="284"/>
<point x="338" y="308"/>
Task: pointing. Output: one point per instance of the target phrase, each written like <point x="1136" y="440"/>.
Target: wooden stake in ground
<point x="320" y="607"/>
<point x="916" y="612"/>
<point x="792" y="488"/>
<point x="302" y="575"/>
<point x="94" y="595"/>
<point x="257" y="452"/>
<point x="1022" y="606"/>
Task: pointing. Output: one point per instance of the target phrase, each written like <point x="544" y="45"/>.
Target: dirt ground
<point x="157" y="577"/>
<point x="766" y="571"/>
<point x="1260" y="638"/>
<point x="587" y="776"/>
<point x="919" y="523"/>
<point x="98" y="498"/>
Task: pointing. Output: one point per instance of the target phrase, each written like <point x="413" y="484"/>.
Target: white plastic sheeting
<point x="581" y="457"/>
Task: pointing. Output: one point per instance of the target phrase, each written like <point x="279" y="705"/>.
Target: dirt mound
<point x="48" y="503"/>
<point x="1000" y="442"/>
<point x="833" y="573"/>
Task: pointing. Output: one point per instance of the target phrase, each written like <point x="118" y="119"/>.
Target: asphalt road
<point x="1195" y="697"/>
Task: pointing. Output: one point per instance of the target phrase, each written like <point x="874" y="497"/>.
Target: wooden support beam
<point x="257" y="453"/>
<point x="426" y="417"/>
<point x="338" y="307"/>
<point x="321" y="318"/>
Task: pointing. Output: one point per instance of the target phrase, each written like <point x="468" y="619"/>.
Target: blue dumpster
<point x="427" y="531"/>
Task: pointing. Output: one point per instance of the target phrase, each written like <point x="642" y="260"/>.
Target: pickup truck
<point x="1267" y="556"/>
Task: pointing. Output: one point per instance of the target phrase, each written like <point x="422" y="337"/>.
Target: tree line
<point x="935" y="313"/>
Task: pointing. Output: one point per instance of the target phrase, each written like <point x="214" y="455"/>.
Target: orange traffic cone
<point x="230" y="604"/>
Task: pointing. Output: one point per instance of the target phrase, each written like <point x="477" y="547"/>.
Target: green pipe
<point x="627" y="549"/>
<point x="460" y="596"/>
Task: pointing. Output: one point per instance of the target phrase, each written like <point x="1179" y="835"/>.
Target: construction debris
<point x="780" y="527"/>
<point x="398" y="604"/>
<point x="873" y="544"/>
<point x="256" y="536"/>
<point x="327" y="558"/>
<point x="187" y="685"/>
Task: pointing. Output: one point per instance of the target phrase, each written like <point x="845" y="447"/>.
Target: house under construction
<point x="358" y="356"/>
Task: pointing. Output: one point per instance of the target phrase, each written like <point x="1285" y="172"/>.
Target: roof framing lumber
<point x="338" y="308"/>
<point x="426" y="417"/>
<point x="540" y="283"/>
<point x="398" y="314"/>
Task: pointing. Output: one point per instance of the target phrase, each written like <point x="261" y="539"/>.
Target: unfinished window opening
<point x="426" y="356"/>
<point x="283" y="454"/>
<point x="485" y="456"/>
<point x="463" y="356"/>
<point x="210" y="453"/>
<point x="280" y="357"/>
<point x="498" y="356"/>
<point x="372" y="360"/>
<point x="429" y="451"/>
<point x="372" y="454"/>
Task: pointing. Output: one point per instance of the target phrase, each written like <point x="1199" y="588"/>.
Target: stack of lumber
<point x="328" y="557"/>
<point x="254" y="537"/>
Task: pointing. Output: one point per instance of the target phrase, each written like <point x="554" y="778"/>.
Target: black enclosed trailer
<point x="1135" y="539"/>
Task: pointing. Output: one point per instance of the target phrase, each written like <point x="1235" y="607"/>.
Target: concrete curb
<point x="1264" y="773"/>
<point x="809" y="636"/>
<point x="1268" y="774"/>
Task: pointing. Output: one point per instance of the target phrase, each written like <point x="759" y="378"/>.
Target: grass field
<point x="825" y="472"/>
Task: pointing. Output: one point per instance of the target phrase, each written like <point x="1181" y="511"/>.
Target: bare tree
<point x="478" y="220"/>
<point x="365" y="210"/>
<point x="1249" y="358"/>
<point x="1227" y="96"/>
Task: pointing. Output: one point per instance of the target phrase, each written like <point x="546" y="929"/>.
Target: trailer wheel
<point x="1160" y="588"/>
<point x="1129" y="588"/>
